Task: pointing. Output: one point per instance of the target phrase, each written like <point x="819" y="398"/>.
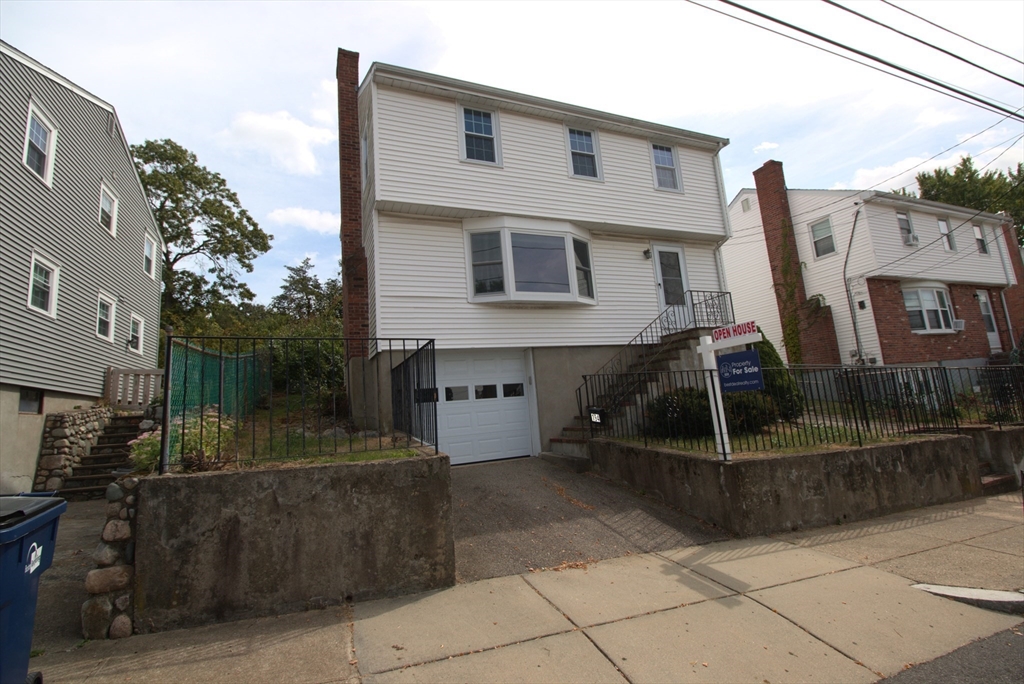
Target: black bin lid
<point x="18" y="509"/>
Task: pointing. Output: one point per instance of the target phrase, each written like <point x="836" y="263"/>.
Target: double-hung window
<point x="979" y="239"/>
<point x="583" y="153"/>
<point x="135" y="334"/>
<point x="821" y="237"/>
<point x="666" y="173"/>
<point x="105" y="311"/>
<point x="947" y="236"/>
<point x="508" y="264"/>
<point x="906" y="228"/>
<point x="108" y="210"/>
<point x="929" y="310"/>
<point x="40" y="142"/>
<point x="149" y="257"/>
<point x="480" y="136"/>
<point x="44" y="277"/>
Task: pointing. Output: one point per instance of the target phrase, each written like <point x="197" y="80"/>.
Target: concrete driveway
<point x="526" y="514"/>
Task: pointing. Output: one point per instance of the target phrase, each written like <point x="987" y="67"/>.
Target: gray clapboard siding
<point x="61" y="222"/>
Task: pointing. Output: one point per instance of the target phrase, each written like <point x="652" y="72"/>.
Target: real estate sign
<point x="740" y="371"/>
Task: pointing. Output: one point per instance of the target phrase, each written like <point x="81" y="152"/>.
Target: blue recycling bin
<point x="28" y="532"/>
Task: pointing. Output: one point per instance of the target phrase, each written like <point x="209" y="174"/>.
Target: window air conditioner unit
<point x="958" y="324"/>
<point x="910" y="239"/>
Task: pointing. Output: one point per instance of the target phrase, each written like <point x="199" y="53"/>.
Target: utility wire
<point x="922" y="42"/>
<point x="989" y="108"/>
<point x="943" y="28"/>
<point x="873" y="58"/>
<point x="934" y="156"/>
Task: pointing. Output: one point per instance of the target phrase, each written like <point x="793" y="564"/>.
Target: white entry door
<point x="670" y="270"/>
<point x="990" y="321"/>
<point x="483" y="410"/>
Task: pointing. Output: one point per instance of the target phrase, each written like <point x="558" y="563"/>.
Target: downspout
<point x="846" y="283"/>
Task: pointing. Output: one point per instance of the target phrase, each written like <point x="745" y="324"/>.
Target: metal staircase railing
<point x="701" y="309"/>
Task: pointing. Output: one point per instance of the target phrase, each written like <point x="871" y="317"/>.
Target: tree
<point x="965" y="186"/>
<point x="203" y="224"/>
<point x="304" y="297"/>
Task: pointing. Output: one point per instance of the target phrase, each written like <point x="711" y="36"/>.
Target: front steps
<point x="91" y="477"/>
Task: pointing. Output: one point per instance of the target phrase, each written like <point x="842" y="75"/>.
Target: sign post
<point x="723" y="338"/>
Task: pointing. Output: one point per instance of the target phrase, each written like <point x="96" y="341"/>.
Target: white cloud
<point x="288" y="141"/>
<point x="765" y="146"/>
<point x="325" y="104"/>
<point x="323" y="222"/>
<point x="930" y="117"/>
<point x="900" y="174"/>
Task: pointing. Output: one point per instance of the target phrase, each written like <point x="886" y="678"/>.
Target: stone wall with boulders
<point x="108" y="613"/>
<point x="67" y="437"/>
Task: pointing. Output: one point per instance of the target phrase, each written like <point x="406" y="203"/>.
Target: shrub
<point x="686" y="413"/>
<point x="145" y="454"/>
<point x="749" y="412"/>
<point x="199" y="445"/>
<point x="779" y="384"/>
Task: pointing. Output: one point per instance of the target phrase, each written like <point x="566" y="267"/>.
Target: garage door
<point x="483" y="413"/>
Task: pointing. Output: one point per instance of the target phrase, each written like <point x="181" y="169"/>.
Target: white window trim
<point x="654" y="167"/>
<point x="105" y="189"/>
<point x="112" y="301"/>
<point x="54" y="285"/>
<point x="505" y="226"/>
<point x="147" y="242"/>
<point x="461" y="110"/>
<point x="979" y="229"/>
<point x="910" y="222"/>
<point x="142" y="333"/>
<point x="949" y="303"/>
<point x="597" y="153"/>
<point x="51" y="143"/>
<point x="832" y="234"/>
<point x="948" y="240"/>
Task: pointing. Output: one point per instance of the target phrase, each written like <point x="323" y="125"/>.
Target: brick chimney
<point x="1014" y="295"/>
<point x="355" y="309"/>
<point x="815" y="338"/>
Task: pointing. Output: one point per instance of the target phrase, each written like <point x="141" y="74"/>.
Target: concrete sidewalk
<point x="829" y="605"/>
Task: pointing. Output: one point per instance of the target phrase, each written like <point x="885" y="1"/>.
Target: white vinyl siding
<point x="418" y="152"/>
<point x="749" y="273"/>
<point x="417" y="251"/>
<point x="962" y="266"/>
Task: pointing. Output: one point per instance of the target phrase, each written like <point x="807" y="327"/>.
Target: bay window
<point x="929" y="310"/>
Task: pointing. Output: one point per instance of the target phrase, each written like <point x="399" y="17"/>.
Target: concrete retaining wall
<point x="763" y="495"/>
<point x="220" y="546"/>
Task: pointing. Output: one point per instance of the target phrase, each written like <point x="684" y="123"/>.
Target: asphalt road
<point x="998" y="659"/>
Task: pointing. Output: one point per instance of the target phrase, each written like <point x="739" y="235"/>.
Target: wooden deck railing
<point x="133" y="388"/>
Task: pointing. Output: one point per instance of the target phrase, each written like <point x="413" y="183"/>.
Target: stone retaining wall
<point x="109" y="610"/>
<point x="755" y="495"/>
<point x="67" y="437"/>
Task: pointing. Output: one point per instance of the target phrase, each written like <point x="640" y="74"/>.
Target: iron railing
<point x="801" y="406"/>
<point x="246" y="399"/>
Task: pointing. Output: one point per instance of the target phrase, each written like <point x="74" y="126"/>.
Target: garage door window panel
<point x="512" y="390"/>
<point x="456" y="393"/>
<point x="486" y="391"/>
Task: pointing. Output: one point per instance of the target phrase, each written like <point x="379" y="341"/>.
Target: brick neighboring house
<point x="919" y="282"/>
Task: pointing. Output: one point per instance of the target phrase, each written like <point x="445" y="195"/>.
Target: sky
<point x="249" y="86"/>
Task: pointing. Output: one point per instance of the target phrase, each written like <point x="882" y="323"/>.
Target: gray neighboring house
<point x="80" y="257"/>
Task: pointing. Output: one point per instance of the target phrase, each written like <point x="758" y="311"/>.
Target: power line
<point x="922" y="42"/>
<point x="989" y="108"/>
<point x="943" y="28"/>
<point x="867" y="55"/>
<point x="934" y="156"/>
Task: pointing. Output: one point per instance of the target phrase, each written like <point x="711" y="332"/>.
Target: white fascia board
<point x="930" y="206"/>
<point x="487" y="96"/>
<point x="19" y="56"/>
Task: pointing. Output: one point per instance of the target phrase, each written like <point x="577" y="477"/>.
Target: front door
<point x="670" y="267"/>
<point x="990" y="321"/>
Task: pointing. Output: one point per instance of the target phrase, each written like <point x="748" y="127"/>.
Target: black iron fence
<point x="800" y="406"/>
<point x="247" y="399"/>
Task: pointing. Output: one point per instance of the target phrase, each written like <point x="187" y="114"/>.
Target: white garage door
<point x="483" y="411"/>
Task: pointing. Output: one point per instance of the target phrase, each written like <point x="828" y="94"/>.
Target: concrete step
<point x="100" y="466"/>
<point x="568" y="446"/>
<point x="577" y="464"/>
<point x="998" y="484"/>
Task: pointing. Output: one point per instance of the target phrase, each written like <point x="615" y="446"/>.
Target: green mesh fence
<point x="221" y="383"/>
